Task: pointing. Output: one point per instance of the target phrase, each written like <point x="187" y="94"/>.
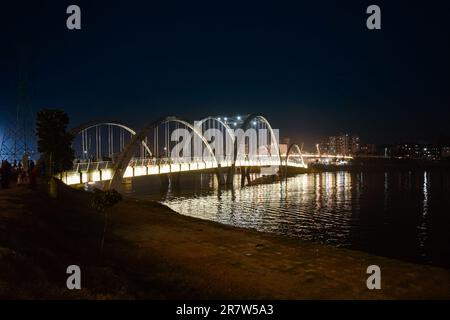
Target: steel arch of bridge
<point x="127" y="154"/>
<point x="95" y="123"/>
<point x="228" y="129"/>
<point x="288" y="153"/>
<point x="246" y="125"/>
<point x="223" y="123"/>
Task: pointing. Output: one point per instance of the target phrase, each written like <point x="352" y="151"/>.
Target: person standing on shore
<point x="33" y="172"/>
<point x="6" y="173"/>
<point x="25" y="168"/>
<point x="1" y="173"/>
<point x="19" y="173"/>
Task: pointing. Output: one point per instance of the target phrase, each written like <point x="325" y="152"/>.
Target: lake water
<point x="405" y="215"/>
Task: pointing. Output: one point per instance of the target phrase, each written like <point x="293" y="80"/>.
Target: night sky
<point x="311" y="67"/>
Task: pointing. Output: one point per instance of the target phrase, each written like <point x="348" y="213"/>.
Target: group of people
<point x="22" y="172"/>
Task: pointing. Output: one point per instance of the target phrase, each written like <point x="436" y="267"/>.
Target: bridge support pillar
<point x="220" y="175"/>
<point x="164" y="181"/>
<point x="230" y="175"/>
<point x="245" y="174"/>
<point x="283" y="172"/>
<point x="174" y="180"/>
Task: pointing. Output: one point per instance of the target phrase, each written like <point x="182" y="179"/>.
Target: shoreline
<point x="154" y="252"/>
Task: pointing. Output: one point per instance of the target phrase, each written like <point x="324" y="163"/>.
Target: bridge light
<point x="235" y="124"/>
<point x="239" y="117"/>
<point x="218" y="118"/>
<point x="254" y="123"/>
<point x="225" y="118"/>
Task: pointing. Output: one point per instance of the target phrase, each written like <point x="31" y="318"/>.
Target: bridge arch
<point x="92" y="124"/>
<point x="223" y="123"/>
<point x="125" y="157"/>
<point x="229" y="135"/>
<point x="246" y="125"/>
<point x="291" y="148"/>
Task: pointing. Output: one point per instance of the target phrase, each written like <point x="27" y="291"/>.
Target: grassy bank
<point x="152" y="252"/>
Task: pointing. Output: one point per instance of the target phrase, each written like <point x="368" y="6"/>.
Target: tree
<point x="54" y="142"/>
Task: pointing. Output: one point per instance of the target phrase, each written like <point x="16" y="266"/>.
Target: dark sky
<point x="312" y="67"/>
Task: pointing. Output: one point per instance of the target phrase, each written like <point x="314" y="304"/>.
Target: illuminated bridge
<point x="108" y="151"/>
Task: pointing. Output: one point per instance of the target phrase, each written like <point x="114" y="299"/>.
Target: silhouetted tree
<point x="101" y="200"/>
<point x="54" y="142"/>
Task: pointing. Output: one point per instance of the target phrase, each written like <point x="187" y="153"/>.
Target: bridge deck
<point x="103" y="171"/>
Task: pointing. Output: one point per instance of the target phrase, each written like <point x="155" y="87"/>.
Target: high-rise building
<point x="344" y="144"/>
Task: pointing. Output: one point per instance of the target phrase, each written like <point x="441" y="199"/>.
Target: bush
<point x="103" y="199"/>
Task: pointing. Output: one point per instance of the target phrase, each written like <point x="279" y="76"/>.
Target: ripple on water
<point x="339" y="208"/>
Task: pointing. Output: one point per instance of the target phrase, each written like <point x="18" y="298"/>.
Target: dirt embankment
<point x="152" y="252"/>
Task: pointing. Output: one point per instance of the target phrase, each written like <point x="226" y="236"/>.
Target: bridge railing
<point x="94" y="171"/>
<point x="136" y="162"/>
<point x="262" y="160"/>
<point x="92" y="165"/>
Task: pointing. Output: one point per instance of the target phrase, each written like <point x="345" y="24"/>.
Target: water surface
<point x="405" y="215"/>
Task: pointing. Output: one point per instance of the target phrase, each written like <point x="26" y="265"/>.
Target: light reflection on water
<point x="397" y="214"/>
